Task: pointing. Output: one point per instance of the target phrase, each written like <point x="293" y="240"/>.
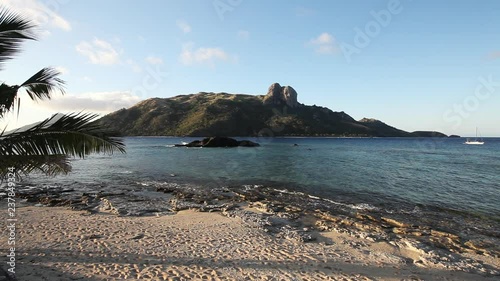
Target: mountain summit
<point x="278" y="95"/>
<point x="278" y="113"/>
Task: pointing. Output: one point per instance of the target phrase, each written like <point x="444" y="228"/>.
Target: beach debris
<point x="137" y="237"/>
<point x="91" y="237"/>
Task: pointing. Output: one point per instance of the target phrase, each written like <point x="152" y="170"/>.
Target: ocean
<point x="395" y="174"/>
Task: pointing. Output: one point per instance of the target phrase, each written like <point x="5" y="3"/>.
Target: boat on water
<point x="476" y="141"/>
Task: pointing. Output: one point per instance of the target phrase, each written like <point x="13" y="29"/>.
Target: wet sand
<point x="57" y="243"/>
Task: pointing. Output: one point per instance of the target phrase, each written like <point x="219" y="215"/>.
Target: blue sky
<point x="416" y="65"/>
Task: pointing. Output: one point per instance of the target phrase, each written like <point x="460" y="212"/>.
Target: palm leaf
<point x="14" y="29"/>
<point x="39" y="87"/>
<point x="45" y="146"/>
<point x="7" y="98"/>
<point x="70" y="134"/>
<point x="24" y="164"/>
<point x="43" y="83"/>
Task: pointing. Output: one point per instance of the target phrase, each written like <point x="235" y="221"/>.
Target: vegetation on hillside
<point x="222" y="114"/>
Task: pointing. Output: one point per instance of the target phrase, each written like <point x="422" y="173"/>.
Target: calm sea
<point x="403" y="173"/>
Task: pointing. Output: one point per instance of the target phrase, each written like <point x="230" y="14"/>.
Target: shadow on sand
<point x="33" y="266"/>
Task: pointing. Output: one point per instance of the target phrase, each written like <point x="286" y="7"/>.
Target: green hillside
<point x="222" y="114"/>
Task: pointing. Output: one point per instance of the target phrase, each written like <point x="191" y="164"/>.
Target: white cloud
<point x="154" y="60"/>
<point x="87" y="79"/>
<point x="63" y="70"/>
<point x="99" y="52"/>
<point x="97" y="102"/>
<point x="203" y="55"/>
<point x="42" y="15"/>
<point x="183" y="26"/>
<point x="135" y="67"/>
<point x="323" y="38"/>
<point x="60" y="22"/>
<point x="324" y="44"/>
<point x="243" y="35"/>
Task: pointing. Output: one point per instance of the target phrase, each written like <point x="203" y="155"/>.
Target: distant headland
<point x="278" y="113"/>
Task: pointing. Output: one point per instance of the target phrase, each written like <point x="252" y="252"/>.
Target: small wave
<point x="161" y="146"/>
<point x="29" y="186"/>
<point x="251" y="187"/>
<point x="125" y="172"/>
<point x="363" y="206"/>
<point x="158" y="184"/>
<point x="285" y="191"/>
<point x="360" y="206"/>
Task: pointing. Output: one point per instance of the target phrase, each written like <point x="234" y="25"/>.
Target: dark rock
<point x="195" y="143"/>
<point x="138" y="236"/>
<point x="247" y="143"/>
<point x="219" y="142"/>
<point x="166" y="189"/>
<point x="454" y="136"/>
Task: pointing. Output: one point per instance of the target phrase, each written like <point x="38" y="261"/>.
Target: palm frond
<point x="39" y="87"/>
<point x="7" y="98"/>
<point x="71" y="134"/>
<point x="14" y="29"/>
<point x="24" y="164"/>
<point x="43" y="83"/>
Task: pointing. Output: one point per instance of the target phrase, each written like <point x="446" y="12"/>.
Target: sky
<point x="416" y="65"/>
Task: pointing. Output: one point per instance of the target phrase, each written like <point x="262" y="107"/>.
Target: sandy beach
<point x="57" y="243"/>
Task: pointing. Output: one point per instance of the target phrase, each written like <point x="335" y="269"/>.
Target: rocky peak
<point x="369" y="120"/>
<point x="278" y="95"/>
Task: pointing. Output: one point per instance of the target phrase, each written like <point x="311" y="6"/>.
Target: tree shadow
<point x="42" y="272"/>
<point x="326" y="267"/>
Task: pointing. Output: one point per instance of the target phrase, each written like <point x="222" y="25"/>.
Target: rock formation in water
<point x="220" y="142"/>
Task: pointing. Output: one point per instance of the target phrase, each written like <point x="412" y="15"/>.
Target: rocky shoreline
<point x="291" y="215"/>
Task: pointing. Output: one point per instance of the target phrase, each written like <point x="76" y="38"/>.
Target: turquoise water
<point x="397" y="173"/>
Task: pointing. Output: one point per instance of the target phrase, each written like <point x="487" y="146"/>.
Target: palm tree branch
<point x="71" y="134"/>
<point x="14" y="29"/>
<point x="39" y="87"/>
<point x="7" y="98"/>
<point x="24" y="164"/>
<point x="43" y="83"/>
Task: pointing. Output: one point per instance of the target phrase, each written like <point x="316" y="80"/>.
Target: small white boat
<point x="476" y="141"/>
